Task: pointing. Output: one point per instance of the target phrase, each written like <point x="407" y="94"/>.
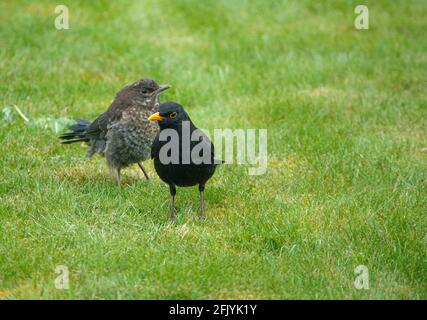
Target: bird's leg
<point x="172" y="189"/>
<point x="117" y="175"/>
<point x="202" y="214"/>
<point x="143" y="171"/>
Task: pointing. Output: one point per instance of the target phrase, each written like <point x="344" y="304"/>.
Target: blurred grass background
<point x="346" y="182"/>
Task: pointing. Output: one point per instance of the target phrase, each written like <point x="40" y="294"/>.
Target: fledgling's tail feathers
<point x="77" y="134"/>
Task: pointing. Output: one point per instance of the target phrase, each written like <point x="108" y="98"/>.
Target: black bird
<point x="181" y="160"/>
<point x="122" y="134"/>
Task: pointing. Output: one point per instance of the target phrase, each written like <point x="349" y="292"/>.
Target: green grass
<point x="346" y="181"/>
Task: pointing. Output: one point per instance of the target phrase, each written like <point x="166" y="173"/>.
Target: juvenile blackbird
<point x="122" y="134"/>
<point x="185" y="161"/>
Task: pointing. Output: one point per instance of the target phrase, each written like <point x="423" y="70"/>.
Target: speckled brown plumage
<point x="122" y="134"/>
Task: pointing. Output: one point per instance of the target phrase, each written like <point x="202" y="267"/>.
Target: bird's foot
<point x="172" y="215"/>
<point x="201" y="215"/>
<point x="143" y="171"/>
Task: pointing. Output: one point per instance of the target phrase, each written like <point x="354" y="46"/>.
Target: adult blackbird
<point x="122" y="134"/>
<point x="183" y="155"/>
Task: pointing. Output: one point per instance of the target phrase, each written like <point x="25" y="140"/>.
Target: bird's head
<point x="170" y="115"/>
<point x="148" y="90"/>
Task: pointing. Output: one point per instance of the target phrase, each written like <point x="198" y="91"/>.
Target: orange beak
<point x="155" y="117"/>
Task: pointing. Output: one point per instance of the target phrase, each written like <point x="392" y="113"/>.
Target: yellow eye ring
<point x="172" y="115"/>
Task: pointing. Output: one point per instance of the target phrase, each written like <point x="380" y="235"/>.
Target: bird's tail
<point x="77" y="134"/>
<point x="218" y="162"/>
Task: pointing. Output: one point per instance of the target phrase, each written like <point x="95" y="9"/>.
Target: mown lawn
<point x="346" y="181"/>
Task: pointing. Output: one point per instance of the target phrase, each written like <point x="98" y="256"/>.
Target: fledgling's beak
<point x="157" y="93"/>
<point x="155" y="117"/>
<point x="162" y="88"/>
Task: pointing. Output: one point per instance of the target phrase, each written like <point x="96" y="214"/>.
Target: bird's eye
<point x="172" y="115"/>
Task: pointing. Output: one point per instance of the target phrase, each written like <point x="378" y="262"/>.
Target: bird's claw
<point x="201" y="215"/>
<point x="172" y="215"/>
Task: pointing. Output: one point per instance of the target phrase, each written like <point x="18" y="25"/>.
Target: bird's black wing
<point x="205" y="144"/>
<point x="208" y="143"/>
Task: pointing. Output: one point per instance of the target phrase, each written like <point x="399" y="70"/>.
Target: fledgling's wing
<point x="98" y="128"/>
